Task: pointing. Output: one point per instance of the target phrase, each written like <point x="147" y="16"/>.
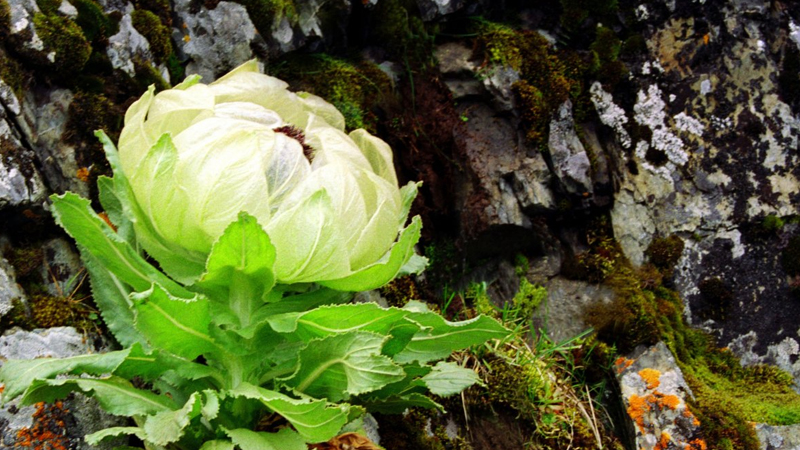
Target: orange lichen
<point x="651" y="377"/>
<point x="670" y="401"/>
<point x="698" y="444"/>
<point x="83" y="174"/>
<point x="622" y="363"/>
<point x="637" y="408"/>
<point x="105" y="218"/>
<point x="663" y="442"/>
<point x="48" y="431"/>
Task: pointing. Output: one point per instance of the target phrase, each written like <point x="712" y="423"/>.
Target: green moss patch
<point x="157" y="34"/>
<point x="356" y="88"/>
<point x="11" y="73"/>
<point x="546" y="78"/>
<point x="264" y="13"/>
<point x="5" y="17"/>
<point x="66" y="39"/>
<point x="96" y="26"/>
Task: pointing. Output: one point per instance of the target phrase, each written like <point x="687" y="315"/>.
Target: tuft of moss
<point x="48" y="7"/>
<point x="664" y="253"/>
<point x="772" y="224"/>
<point x="89" y="112"/>
<point x="354" y="87"/>
<point x="97" y="27"/>
<point x="790" y="257"/>
<point x="11" y="72"/>
<point x="157" y="34"/>
<point x="400" y="291"/>
<point x="5" y="17"/>
<point x="66" y="39"/>
<point x="546" y="79"/>
<point x="606" y="49"/>
<point x="161" y="8"/>
<point x="264" y="13"/>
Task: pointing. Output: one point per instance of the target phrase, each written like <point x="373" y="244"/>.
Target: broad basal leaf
<point x="398" y="404"/>
<point x="167" y="427"/>
<point x="336" y="319"/>
<point x="111" y="296"/>
<point x="115" y="395"/>
<point x="78" y="218"/>
<point x="97" y="437"/>
<point x="285" y="439"/>
<point x="448" y="378"/>
<point x="441" y="337"/>
<point x="315" y="420"/>
<point x="17" y="374"/>
<point x="217" y="444"/>
<point x="176" y="325"/>
<point x="340" y="365"/>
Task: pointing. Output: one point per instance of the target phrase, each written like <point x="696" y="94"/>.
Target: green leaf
<point x="217" y="444"/>
<point x="239" y="269"/>
<point x="440" y="337"/>
<point x="340" y="365"/>
<point x="377" y="274"/>
<point x="337" y="319"/>
<point x="18" y="375"/>
<point x="398" y="404"/>
<point x="76" y="216"/>
<point x="244" y="247"/>
<point x="112" y="205"/>
<point x="315" y="420"/>
<point x="173" y="324"/>
<point x="114" y="394"/>
<point x="112" y="297"/>
<point x="150" y="366"/>
<point x="96" y="437"/>
<point x="285" y="439"/>
<point x="448" y="378"/>
<point x="167" y="427"/>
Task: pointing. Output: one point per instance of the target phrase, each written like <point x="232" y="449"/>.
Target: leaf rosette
<point x="197" y="155"/>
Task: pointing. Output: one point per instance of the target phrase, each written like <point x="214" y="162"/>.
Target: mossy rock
<point x="11" y="72"/>
<point x="265" y="13"/>
<point x="665" y="253"/>
<point x="5" y="17"/>
<point x="160" y="8"/>
<point x="158" y="35"/>
<point x="48" y="7"/>
<point x="355" y="87"/>
<point x="66" y="39"/>
<point x="96" y="26"/>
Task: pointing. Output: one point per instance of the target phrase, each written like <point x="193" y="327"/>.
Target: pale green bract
<point x="198" y="155"/>
<point x="262" y="249"/>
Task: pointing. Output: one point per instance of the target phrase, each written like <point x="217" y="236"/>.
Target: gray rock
<point x="654" y="395"/>
<point x="455" y="58"/>
<point x="570" y="161"/>
<point x="42" y="123"/>
<point x="778" y="437"/>
<point x="498" y="82"/>
<point x="561" y="317"/>
<point x="22" y="30"/>
<point x="215" y="40"/>
<point x="63" y="271"/>
<point x="79" y="415"/>
<point x="126" y="46"/>
<point x="9" y="289"/>
<point x="432" y="9"/>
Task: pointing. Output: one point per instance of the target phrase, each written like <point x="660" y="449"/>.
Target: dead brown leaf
<point x="347" y="441"/>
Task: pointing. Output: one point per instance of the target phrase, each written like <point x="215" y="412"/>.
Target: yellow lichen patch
<point x="637" y="408"/>
<point x="688" y="414"/>
<point x="105" y="218"/>
<point x="651" y="377"/>
<point x="47" y="431"/>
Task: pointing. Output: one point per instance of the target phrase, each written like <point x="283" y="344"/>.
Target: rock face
<point x="61" y="424"/>
<point x="655" y="393"/>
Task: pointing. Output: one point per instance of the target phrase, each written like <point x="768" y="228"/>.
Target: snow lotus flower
<point x="197" y="155"/>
